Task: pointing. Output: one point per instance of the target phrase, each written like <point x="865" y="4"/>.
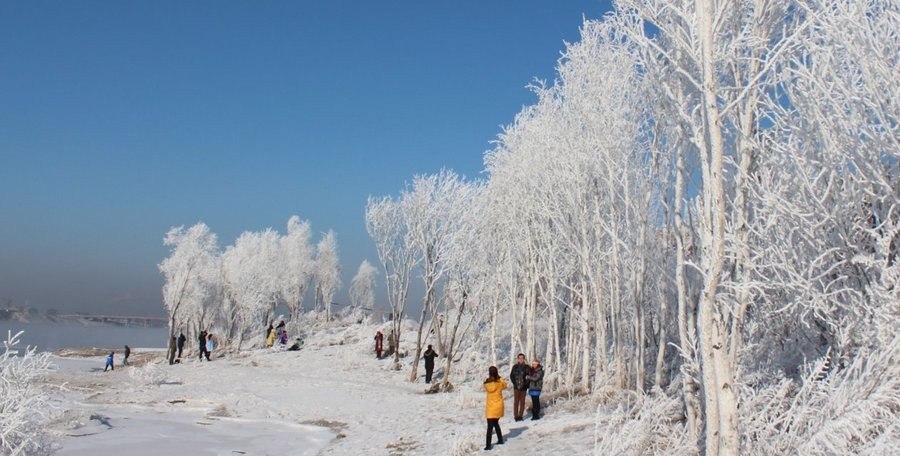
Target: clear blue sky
<point x="119" y="120"/>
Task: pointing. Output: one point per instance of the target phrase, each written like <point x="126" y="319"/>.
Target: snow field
<point x="332" y="397"/>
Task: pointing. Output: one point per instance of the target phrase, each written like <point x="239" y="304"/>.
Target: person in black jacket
<point x="127" y="354"/>
<point x="429" y="363"/>
<point x="180" y="343"/>
<point x="201" y="340"/>
<point x="535" y="379"/>
<point x="520" y="386"/>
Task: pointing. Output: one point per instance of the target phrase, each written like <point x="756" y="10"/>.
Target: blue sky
<point x="119" y="120"/>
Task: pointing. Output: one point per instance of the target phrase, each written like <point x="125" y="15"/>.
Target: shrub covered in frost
<point x="851" y="408"/>
<point x="23" y="402"/>
<point x="149" y="375"/>
<point x="642" y="424"/>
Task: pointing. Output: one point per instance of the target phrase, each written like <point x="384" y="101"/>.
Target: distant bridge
<point x="118" y="320"/>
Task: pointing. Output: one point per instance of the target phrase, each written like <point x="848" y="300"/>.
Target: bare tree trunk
<point x="600" y="341"/>
<point x="530" y="310"/>
<point x="659" y="373"/>
<point x="639" y="326"/>
<point x="171" y="342"/>
<point x="413" y="373"/>
<point x="722" y="429"/>
<point x="495" y="310"/>
<point x="451" y="348"/>
<point x="585" y="343"/>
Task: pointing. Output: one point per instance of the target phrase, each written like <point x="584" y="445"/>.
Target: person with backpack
<point x="520" y="386"/>
<point x="493" y="405"/>
<point x="535" y="379"/>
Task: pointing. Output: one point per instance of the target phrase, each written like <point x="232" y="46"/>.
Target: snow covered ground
<point x="332" y="397"/>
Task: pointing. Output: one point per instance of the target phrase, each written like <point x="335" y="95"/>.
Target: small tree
<point x="253" y="271"/>
<point x="298" y="268"/>
<point x="328" y="271"/>
<point x="362" y="287"/>
<point x="389" y="231"/>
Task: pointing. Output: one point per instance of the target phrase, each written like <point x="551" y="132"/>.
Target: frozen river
<point x="51" y="336"/>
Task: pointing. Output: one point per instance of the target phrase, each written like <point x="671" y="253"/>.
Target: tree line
<point x="702" y="207"/>
<point x="697" y="221"/>
<point x="239" y="288"/>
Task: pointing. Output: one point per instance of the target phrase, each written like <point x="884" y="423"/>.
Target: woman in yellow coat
<point x="493" y="407"/>
<point x="270" y="339"/>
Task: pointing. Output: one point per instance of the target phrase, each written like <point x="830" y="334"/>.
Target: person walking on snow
<point x="127" y="354"/>
<point x="493" y="405"/>
<point x="379" y="344"/>
<point x="109" y="362"/>
<point x="520" y="386"/>
<point x="535" y="379"/>
<point x="429" y="356"/>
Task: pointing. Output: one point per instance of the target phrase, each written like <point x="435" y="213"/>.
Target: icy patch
<point x="148" y="433"/>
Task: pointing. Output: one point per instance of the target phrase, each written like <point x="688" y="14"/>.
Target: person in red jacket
<point x="379" y="344"/>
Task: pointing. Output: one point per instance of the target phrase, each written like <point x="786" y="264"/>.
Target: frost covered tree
<point x="298" y="268"/>
<point x="466" y="276"/>
<point x="570" y="199"/>
<point x="362" y="287"/>
<point x="708" y="193"/>
<point x="389" y="231"/>
<point x="191" y="276"/>
<point x="327" y="271"/>
<point x="432" y="208"/>
<point x="24" y="403"/>
<point x="253" y="270"/>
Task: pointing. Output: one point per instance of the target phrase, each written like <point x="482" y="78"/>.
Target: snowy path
<point x="333" y="399"/>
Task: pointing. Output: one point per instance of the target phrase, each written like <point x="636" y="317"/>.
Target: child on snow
<point x="109" y="362"/>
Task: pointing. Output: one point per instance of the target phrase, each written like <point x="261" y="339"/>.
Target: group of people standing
<point x="274" y="333"/>
<point x="279" y="333"/>
<point x="379" y="343"/>
<point x="525" y="379"/>
<point x="207" y="343"/>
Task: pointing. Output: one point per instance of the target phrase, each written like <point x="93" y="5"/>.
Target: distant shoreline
<point x="47" y="335"/>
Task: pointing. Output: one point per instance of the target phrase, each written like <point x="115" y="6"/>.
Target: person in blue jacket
<point x="109" y="362"/>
